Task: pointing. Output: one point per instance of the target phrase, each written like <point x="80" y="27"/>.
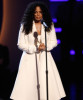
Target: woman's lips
<point x="38" y="17"/>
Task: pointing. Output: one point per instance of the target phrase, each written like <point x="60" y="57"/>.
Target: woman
<point x="25" y="87"/>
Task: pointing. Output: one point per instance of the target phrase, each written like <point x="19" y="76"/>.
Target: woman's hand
<point x="41" y="47"/>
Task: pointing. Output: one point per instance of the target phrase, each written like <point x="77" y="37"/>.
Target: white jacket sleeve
<point x="23" y="45"/>
<point x="52" y="42"/>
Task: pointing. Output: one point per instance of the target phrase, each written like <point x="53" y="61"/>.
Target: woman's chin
<point x="38" y="20"/>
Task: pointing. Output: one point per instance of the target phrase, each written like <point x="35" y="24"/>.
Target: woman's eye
<point x="40" y="11"/>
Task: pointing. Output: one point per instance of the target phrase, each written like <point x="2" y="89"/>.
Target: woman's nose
<point x="38" y="13"/>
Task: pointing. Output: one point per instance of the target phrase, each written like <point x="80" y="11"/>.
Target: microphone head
<point x="42" y="21"/>
<point x="35" y="34"/>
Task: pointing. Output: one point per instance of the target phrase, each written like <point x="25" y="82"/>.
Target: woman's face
<point x="38" y="14"/>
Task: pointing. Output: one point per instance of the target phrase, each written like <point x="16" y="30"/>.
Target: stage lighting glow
<point x="82" y="51"/>
<point x="78" y="0"/>
<point x="62" y="0"/>
<point x="58" y="41"/>
<point x="54" y="20"/>
<point x="58" y="30"/>
<point x="59" y="0"/>
<point x="72" y="52"/>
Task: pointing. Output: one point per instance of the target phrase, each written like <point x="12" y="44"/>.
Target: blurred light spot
<point x="77" y="0"/>
<point x="82" y="51"/>
<point x="58" y="0"/>
<point x="72" y="52"/>
<point x="58" y="41"/>
<point x="58" y="30"/>
<point x="54" y="20"/>
<point x="62" y="0"/>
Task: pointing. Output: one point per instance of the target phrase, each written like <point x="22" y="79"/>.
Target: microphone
<point x="43" y="22"/>
<point x="36" y="39"/>
<point x="35" y="34"/>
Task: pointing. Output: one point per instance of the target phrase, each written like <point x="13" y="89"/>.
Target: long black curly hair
<point x="28" y="16"/>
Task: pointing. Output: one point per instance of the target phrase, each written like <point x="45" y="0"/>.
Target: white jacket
<point x="26" y="42"/>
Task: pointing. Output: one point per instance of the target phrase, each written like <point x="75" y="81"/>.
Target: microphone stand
<point x="38" y="85"/>
<point x="46" y="64"/>
<point x="45" y="25"/>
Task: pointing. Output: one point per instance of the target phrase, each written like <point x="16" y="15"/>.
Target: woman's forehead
<point x="38" y="8"/>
